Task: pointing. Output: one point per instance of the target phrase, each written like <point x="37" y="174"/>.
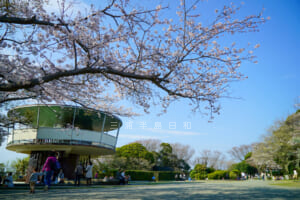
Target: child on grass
<point x="33" y="179"/>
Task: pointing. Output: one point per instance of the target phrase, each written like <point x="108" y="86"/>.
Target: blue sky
<point x="269" y="93"/>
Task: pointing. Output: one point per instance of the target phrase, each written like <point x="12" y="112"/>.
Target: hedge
<point x="168" y="176"/>
<point x="198" y="175"/>
<point x="139" y="175"/>
<point x="219" y="174"/>
<point x="108" y="173"/>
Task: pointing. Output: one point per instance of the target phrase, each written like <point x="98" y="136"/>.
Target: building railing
<point x="44" y="135"/>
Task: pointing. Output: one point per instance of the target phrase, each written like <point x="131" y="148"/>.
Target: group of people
<point x="52" y="171"/>
<point x="180" y="177"/>
<point x="79" y="171"/>
<point x="108" y="179"/>
<point x="123" y="179"/>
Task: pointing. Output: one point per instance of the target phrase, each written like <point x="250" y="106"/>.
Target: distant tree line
<point x="280" y="148"/>
<point x="155" y="155"/>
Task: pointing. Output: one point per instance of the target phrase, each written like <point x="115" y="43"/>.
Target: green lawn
<point x="287" y="183"/>
<point x="204" y="190"/>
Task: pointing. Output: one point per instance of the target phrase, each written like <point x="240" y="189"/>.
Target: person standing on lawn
<point x="49" y="167"/>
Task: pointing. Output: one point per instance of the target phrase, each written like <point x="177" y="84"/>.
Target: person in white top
<point x="243" y="175"/>
<point x="89" y="173"/>
<point x="124" y="181"/>
<point x="295" y="176"/>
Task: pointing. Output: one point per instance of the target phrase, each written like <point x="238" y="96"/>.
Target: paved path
<point x="211" y="190"/>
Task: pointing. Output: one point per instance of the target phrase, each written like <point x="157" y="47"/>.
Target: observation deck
<point x="74" y="130"/>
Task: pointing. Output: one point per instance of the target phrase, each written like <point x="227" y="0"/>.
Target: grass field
<point x="209" y="190"/>
<point x="295" y="184"/>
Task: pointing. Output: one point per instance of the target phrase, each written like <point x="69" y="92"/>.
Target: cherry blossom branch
<point x="31" y="83"/>
<point x="26" y="21"/>
<point x="9" y="99"/>
<point x="141" y="56"/>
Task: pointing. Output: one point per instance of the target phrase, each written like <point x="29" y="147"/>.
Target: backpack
<point x="58" y="165"/>
<point x="53" y="165"/>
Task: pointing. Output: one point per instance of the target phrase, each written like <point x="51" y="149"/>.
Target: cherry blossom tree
<point x="120" y="52"/>
<point x="280" y="148"/>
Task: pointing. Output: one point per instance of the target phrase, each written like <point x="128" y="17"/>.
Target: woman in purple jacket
<point x="49" y="168"/>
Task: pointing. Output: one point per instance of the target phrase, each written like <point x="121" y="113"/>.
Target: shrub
<point x="234" y="174"/>
<point x="168" y="176"/>
<point x="139" y="175"/>
<point x="199" y="172"/>
<point x="107" y="172"/>
<point x="219" y="174"/>
<point x="198" y="175"/>
<point x="244" y="167"/>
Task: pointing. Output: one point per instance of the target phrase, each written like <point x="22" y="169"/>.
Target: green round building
<point x="69" y="130"/>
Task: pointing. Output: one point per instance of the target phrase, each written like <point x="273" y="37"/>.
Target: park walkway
<point x="211" y="190"/>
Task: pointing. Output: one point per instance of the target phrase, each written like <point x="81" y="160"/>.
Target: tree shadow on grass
<point x="192" y="191"/>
